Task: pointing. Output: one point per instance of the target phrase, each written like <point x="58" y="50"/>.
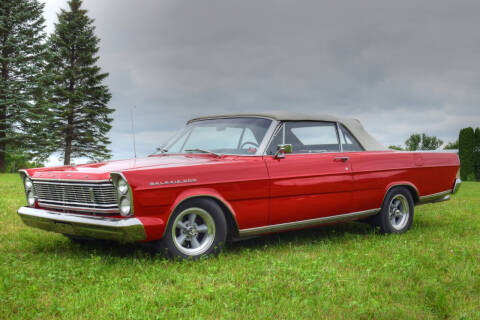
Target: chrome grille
<point x="76" y="196"/>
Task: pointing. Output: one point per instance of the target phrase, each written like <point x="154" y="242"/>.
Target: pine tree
<point x="465" y="152"/>
<point x="23" y="52"/>
<point x="476" y="153"/>
<point x="81" y="115"/>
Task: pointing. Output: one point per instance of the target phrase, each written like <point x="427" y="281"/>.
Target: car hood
<point x="101" y="170"/>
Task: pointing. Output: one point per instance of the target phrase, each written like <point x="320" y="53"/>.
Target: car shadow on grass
<point x="62" y="246"/>
<point x="335" y="233"/>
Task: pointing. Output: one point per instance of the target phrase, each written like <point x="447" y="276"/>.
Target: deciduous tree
<point x="394" y="147"/>
<point x="430" y="142"/>
<point x="451" y="146"/>
<point x="422" y="142"/>
<point x="413" y="142"/>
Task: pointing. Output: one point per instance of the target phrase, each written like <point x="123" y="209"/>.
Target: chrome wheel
<point x="193" y="231"/>
<point x="398" y="211"/>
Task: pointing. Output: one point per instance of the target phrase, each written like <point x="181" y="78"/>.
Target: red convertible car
<point x="234" y="176"/>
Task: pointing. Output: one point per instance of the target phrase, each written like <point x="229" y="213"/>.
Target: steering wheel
<point x="256" y="145"/>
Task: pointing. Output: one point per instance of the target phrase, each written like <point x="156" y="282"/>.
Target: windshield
<point x="241" y="136"/>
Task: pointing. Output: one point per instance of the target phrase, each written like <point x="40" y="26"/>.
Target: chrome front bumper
<point x="123" y="230"/>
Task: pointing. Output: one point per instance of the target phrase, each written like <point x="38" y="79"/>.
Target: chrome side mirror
<point x="282" y="149"/>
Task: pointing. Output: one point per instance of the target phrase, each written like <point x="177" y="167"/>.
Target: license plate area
<point x="63" y="227"/>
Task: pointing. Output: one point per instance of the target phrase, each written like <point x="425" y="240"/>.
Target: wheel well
<point x="232" y="227"/>
<point x="414" y="193"/>
<point x="410" y="188"/>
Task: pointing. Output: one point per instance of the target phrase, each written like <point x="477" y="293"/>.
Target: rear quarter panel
<point x="374" y="173"/>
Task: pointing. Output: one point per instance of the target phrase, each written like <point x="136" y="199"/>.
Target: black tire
<point x="197" y="241"/>
<point x="396" y="215"/>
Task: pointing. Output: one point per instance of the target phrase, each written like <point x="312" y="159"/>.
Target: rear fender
<point x="410" y="186"/>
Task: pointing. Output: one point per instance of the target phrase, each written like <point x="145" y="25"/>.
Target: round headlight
<point x="28" y="183"/>
<point x="122" y="186"/>
<point x="124" y="206"/>
<point x="30" y="198"/>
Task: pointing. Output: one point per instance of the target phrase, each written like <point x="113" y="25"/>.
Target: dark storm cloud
<point x="398" y="66"/>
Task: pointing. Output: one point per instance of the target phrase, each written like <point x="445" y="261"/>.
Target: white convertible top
<point x="368" y="142"/>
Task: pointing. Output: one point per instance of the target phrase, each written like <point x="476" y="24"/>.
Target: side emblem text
<point x="159" y="183"/>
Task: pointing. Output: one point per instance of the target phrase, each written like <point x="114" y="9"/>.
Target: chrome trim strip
<point x="117" y="196"/>
<point x="262" y="148"/>
<point x="93" y="205"/>
<point x="123" y="230"/>
<point x="23" y="175"/>
<point x="278" y="127"/>
<point x="435" y="200"/>
<point x="435" y="197"/>
<point x="72" y="208"/>
<point x="306" y="223"/>
<point x="338" y="137"/>
<point x="24" y="172"/>
<point x="71" y="180"/>
<point x="74" y="183"/>
<point x="228" y="117"/>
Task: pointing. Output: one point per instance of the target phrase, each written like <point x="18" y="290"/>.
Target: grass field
<point x="340" y="271"/>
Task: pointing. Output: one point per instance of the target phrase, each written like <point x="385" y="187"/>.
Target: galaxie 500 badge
<point x="160" y="183"/>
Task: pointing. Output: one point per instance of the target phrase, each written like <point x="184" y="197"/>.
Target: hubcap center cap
<point x="191" y="231"/>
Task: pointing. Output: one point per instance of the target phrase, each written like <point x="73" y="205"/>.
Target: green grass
<point x="339" y="271"/>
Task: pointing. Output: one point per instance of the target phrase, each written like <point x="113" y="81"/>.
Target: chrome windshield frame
<point x="261" y="148"/>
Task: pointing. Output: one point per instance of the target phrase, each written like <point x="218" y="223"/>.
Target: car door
<point x="314" y="180"/>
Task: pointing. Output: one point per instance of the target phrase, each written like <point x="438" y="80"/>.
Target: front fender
<point x="204" y="193"/>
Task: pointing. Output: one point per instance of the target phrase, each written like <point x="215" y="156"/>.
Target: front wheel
<point x="396" y="215"/>
<point x="196" y="228"/>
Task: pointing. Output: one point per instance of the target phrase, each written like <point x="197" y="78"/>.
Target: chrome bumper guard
<point x="441" y="196"/>
<point x="456" y="185"/>
<point x="122" y="229"/>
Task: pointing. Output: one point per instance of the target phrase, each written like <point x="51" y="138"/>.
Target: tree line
<point x="467" y="145"/>
<point x="52" y="96"/>
<point x="421" y="141"/>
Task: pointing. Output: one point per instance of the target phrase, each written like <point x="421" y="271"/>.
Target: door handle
<point x="343" y="159"/>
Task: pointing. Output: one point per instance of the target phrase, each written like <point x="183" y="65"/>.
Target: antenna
<point x="133" y="131"/>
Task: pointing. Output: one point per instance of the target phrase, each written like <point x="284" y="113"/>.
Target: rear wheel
<point x="396" y="215"/>
<point x="196" y="228"/>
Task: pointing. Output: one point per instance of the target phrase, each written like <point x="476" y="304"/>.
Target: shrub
<point x="476" y="154"/>
<point x="466" y="141"/>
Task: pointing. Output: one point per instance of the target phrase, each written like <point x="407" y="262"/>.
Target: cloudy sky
<point x="398" y="66"/>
